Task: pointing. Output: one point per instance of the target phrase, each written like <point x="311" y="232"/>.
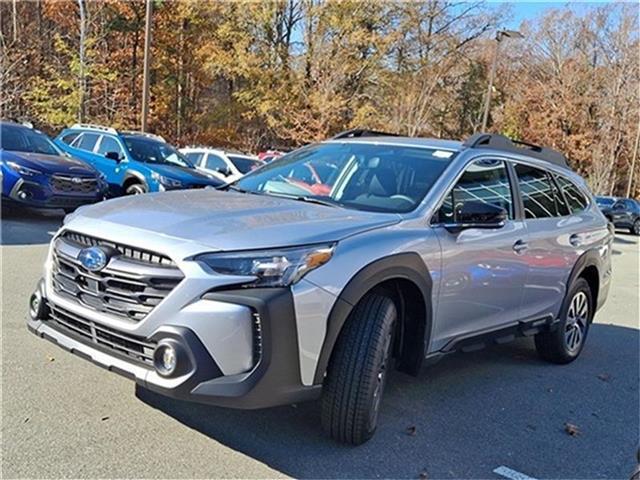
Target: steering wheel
<point x="403" y="197"/>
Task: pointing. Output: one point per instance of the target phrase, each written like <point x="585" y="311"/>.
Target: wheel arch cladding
<point x="132" y="177"/>
<point x="588" y="267"/>
<point x="407" y="278"/>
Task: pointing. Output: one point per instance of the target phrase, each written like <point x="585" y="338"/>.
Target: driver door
<point x="483" y="270"/>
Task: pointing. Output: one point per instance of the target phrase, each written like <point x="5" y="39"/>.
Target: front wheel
<point x="358" y="371"/>
<point x="564" y="344"/>
<point x="635" y="229"/>
<point x="135" y="189"/>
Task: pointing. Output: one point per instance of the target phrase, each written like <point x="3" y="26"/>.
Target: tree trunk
<point x="634" y="157"/>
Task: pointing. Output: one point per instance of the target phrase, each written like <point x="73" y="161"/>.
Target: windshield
<point x="244" y="164"/>
<point x="23" y="139"/>
<point x="379" y="178"/>
<point x="153" y="151"/>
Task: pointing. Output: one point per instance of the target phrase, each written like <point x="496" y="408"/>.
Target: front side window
<point x="362" y="176"/>
<point x="22" y="139"/>
<point x="215" y="163"/>
<point x="575" y="198"/>
<point x="484" y="181"/>
<point x="244" y="164"/>
<point x="538" y="192"/>
<point x="109" y="144"/>
<point x="148" y="150"/>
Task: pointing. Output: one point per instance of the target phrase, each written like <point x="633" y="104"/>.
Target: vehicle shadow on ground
<point x="21" y="226"/>
<point x="471" y="412"/>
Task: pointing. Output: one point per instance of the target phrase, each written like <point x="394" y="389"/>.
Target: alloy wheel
<point x="577" y="322"/>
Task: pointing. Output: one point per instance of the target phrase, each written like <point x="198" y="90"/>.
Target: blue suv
<point x="132" y="162"/>
<point x="35" y="173"/>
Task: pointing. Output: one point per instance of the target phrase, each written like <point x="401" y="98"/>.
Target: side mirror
<point x="115" y="156"/>
<point x="224" y="171"/>
<point x="474" y="214"/>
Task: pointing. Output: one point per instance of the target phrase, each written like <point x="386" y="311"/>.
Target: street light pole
<point x="500" y="34"/>
<point x="147" y="61"/>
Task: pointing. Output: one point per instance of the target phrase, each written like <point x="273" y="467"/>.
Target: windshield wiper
<point x="304" y="198"/>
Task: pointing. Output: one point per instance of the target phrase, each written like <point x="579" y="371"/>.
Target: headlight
<point x="270" y="268"/>
<point x="166" y="181"/>
<point x="27" y="172"/>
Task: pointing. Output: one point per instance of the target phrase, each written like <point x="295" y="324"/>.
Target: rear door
<point x="483" y="271"/>
<point x="82" y="147"/>
<point x="557" y="227"/>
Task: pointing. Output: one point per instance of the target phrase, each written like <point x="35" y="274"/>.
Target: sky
<point x="529" y="10"/>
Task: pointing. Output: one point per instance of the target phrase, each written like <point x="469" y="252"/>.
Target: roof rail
<point x="144" y="134"/>
<point x="91" y="126"/>
<point x="500" y="142"/>
<point x="360" y="132"/>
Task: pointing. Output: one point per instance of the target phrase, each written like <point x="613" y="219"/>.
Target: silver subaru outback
<point x="319" y="273"/>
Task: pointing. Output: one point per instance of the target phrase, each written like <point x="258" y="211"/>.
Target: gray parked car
<point x="328" y="268"/>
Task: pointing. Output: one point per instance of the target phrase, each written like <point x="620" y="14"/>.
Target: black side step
<point x="507" y="334"/>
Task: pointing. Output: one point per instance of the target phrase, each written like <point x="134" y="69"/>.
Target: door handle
<point x="520" y="246"/>
<point x="575" y="240"/>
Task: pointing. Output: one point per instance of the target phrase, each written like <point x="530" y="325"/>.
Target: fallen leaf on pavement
<point x="50" y="359"/>
<point x="411" y="430"/>
<point x="571" y="429"/>
<point x="605" y="377"/>
<point x="26" y="420"/>
<point x="423" y="476"/>
<point x="104" y="418"/>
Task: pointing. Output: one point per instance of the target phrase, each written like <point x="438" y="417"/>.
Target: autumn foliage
<point x="283" y="73"/>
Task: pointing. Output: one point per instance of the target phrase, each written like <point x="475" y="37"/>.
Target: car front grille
<point x="72" y="184"/>
<point x="128" y="252"/>
<point x="74" y="325"/>
<point x="126" y="288"/>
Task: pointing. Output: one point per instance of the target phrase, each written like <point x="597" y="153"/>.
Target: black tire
<point x="635" y="229"/>
<point x="564" y="344"/>
<point x="135" y="189"/>
<point x="358" y="370"/>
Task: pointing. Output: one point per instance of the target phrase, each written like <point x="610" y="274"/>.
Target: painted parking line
<point x="511" y="474"/>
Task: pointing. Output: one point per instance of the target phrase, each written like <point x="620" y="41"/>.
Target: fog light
<point x="165" y="359"/>
<point x="34" y="304"/>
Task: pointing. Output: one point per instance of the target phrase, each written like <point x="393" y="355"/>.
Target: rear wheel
<point x="135" y="189"/>
<point x="358" y="371"/>
<point x="564" y="344"/>
<point x="635" y="229"/>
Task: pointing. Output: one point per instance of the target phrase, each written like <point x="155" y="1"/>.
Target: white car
<point x="227" y="166"/>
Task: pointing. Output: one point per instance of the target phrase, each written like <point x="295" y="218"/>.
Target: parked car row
<point x="622" y="212"/>
<point x="86" y="163"/>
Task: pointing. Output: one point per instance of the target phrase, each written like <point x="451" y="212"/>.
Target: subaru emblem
<point x="93" y="258"/>
<point x="76" y="180"/>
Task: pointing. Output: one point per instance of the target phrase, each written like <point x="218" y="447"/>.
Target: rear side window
<point x="86" y="141"/>
<point x="539" y="194"/>
<point x="484" y="181"/>
<point x="69" y="137"/>
<point x="575" y="198"/>
<point x="194" y="157"/>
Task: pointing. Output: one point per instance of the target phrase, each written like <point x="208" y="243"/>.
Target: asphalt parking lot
<point x="463" y="418"/>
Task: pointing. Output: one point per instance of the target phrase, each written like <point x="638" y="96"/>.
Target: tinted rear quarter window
<point x="69" y="137"/>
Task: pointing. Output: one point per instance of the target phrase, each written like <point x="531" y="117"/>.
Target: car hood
<point x="231" y="220"/>
<point x="49" y="163"/>
<point x="184" y="174"/>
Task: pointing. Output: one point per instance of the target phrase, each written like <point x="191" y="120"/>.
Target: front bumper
<point x="274" y="379"/>
<point x="40" y="195"/>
